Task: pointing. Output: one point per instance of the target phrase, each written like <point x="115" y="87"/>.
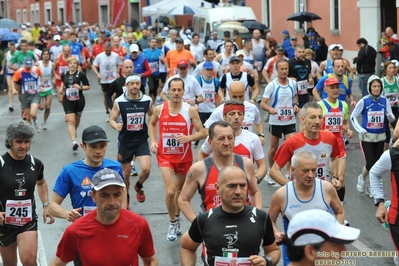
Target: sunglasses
<point x="209" y="69"/>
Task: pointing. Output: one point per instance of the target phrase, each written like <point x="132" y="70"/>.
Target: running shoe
<point x="75" y="146"/>
<point x="38" y="128"/>
<point x="11" y="108"/>
<point x="133" y="172"/>
<point x="368" y="192"/>
<point x="178" y="227"/>
<point x="107" y="118"/>
<point x="361" y="183"/>
<point x="44" y="126"/>
<point x="346" y="223"/>
<point x="140" y="196"/>
<point x="270" y="180"/>
<point x="171" y="236"/>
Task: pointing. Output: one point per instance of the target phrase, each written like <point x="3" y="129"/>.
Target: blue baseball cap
<point x="28" y="62"/>
<point x="286" y="32"/>
<point x="207" y="65"/>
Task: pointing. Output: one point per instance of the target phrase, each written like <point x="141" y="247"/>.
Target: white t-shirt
<point x="108" y="66"/>
<point x="252" y="116"/>
<point x="198" y="50"/>
<point x="281" y="98"/>
<point x="170" y="45"/>
<point x="217" y="69"/>
<point x="192" y="88"/>
<point x="247" y="144"/>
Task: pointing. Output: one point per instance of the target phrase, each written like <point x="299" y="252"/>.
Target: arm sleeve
<point x="66" y="249"/>
<point x="356" y="112"/>
<point x="194" y="231"/>
<point x="382" y="166"/>
<point x="147" y="68"/>
<point x="268" y="237"/>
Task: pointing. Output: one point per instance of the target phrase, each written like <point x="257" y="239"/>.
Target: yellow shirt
<point x="138" y="36"/>
<point x="35" y="34"/>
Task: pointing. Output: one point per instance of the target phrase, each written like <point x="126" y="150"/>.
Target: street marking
<point x="360" y="246"/>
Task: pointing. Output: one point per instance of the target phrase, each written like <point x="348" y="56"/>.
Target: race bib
<point x="18" y="212"/>
<point x="285" y="113"/>
<point x="231" y="259"/>
<point x="209" y="96"/>
<point x="246" y="126"/>
<point x="72" y="94"/>
<point x="334" y="121"/>
<point x="375" y="120"/>
<point x="170" y="144"/>
<point x="321" y="171"/>
<point x="88" y="209"/>
<point x="135" y="121"/>
<point x="392" y="98"/>
<point x="154" y="66"/>
<point x="47" y="83"/>
<point x="216" y="201"/>
<point x="302" y="87"/>
<point x="30" y="87"/>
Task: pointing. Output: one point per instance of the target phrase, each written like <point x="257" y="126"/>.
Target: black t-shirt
<point x="299" y="69"/>
<point x="250" y="80"/>
<point x="17" y="183"/>
<point x="240" y="233"/>
<point x="78" y="78"/>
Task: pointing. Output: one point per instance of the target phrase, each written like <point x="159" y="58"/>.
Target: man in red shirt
<point x="98" y="47"/>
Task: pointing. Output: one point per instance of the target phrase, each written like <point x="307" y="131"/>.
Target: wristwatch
<point x="261" y="135"/>
<point x="297" y="104"/>
<point x="259" y="179"/>
<point x="378" y="201"/>
<point x="269" y="261"/>
<point x="46" y="204"/>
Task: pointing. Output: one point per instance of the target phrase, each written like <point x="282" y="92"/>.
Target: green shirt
<point x="19" y="57"/>
<point x="391" y="90"/>
<point x="62" y="42"/>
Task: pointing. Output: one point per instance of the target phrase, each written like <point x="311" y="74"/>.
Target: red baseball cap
<point x="331" y="81"/>
<point x="182" y="62"/>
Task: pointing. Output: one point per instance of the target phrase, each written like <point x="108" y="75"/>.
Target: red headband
<point x="230" y="107"/>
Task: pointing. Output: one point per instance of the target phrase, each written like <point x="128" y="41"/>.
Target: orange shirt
<point x="174" y="56"/>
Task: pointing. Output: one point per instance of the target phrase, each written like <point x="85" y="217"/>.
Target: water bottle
<point x="387" y="204"/>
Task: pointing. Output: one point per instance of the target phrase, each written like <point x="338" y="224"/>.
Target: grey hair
<point x="301" y="154"/>
<point x="308" y="105"/>
<point x="234" y="102"/>
<point x="20" y="129"/>
<point x="300" y="46"/>
<point x="269" y="35"/>
<point x="107" y="45"/>
<point x="173" y="31"/>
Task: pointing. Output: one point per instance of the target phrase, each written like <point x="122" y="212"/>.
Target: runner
<point x="154" y="57"/>
<point x="106" y="67"/>
<point x="74" y="83"/>
<point x="26" y="82"/>
<point x="9" y="73"/>
<point x="20" y="173"/>
<point x="173" y="150"/>
<point x="60" y="65"/>
<point x="284" y="105"/>
<point x="56" y="48"/>
<point x="46" y="92"/>
<point x="132" y="107"/>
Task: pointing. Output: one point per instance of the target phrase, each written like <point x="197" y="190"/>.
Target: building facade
<point x="59" y="11"/>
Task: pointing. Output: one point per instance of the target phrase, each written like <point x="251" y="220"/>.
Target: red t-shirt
<point x="97" y="244"/>
<point x="97" y="49"/>
<point x="325" y="147"/>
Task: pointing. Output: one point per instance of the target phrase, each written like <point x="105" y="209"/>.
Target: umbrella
<point x="254" y="25"/>
<point x="301" y="17"/>
<point x="164" y="19"/>
<point x="183" y="10"/>
<point x="10" y="36"/>
<point x="8" y="24"/>
<point x="233" y="25"/>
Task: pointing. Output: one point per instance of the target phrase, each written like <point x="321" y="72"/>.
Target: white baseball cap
<point x="165" y="28"/>
<point x="187" y="42"/>
<point x="332" y="46"/>
<point x="134" y="48"/>
<point x="57" y="37"/>
<point x="316" y="226"/>
<point x="396" y="62"/>
<point x="240" y="52"/>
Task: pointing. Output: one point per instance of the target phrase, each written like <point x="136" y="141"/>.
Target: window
<point x="335" y="16"/>
<point x="104" y="17"/>
<point x="24" y="16"/>
<point x="77" y="13"/>
<point x="47" y="13"/>
<point x="18" y="19"/>
<point x="300" y="6"/>
<point x="61" y="11"/>
<point x="37" y="13"/>
<point x="196" y="25"/>
<point x="202" y="28"/>
<point x="8" y="9"/>
<point x="32" y="13"/>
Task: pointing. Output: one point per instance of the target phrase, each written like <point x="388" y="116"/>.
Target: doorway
<point x="388" y="15"/>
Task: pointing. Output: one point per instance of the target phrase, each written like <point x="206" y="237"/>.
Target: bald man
<point x="393" y="37"/>
<point x="252" y="119"/>
<point x="122" y="51"/>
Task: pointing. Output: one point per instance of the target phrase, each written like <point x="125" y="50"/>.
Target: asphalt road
<point x="53" y="147"/>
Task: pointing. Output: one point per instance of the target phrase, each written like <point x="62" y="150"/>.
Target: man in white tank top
<point x="46" y="92"/>
<point x="223" y="58"/>
<point x="305" y="192"/>
<point x="259" y="48"/>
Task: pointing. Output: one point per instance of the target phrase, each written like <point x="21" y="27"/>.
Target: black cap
<point x="279" y="47"/>
<point x="179" y="40"/>
<point x="226" y="33"/>
<point x="234" y="58"/>
<point x="93" y="134"/>
<point x="102" y="31"/>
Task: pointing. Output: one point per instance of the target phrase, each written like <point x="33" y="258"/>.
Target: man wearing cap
<point x="193" y="94"/>
<point x="224" y="57"/>
<point x="269" y="72"/>
<point x="290" y="52"/>
<point x="252" y="121"/>
<point x="209" y="55"/>
<point x="286" y="39"/>
<point x="345" y="83"/>
<point x="174" y="154"/>
<point x="133" y="107"/>
<point x="75" y="178"/>
<point x="174" y="56"/>
<point x="236" y="75"/>
<point x="314" y="232"/>
<point x="214" y="41"/>
<point x="365" y="64"/>
<point x="233" y="232"/>
<point x="27" y="82"/>
<point x="141" y="66"/>
<point x="25" y="33"/>
<point x="118" y="235"/>
<point x="245" y="66"/>
<point x="220" y="48"/>
<point x="106" y="67"/>
<point x="303" y="193"/>
<point x="56" y="48"/>
<point x="326" y="67"/>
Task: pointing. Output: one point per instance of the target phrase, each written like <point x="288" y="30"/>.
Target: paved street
<point x="54" y="148"/>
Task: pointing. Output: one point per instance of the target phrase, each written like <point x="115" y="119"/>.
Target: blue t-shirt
<point x="75" y="180"/>
<point x="76" y="50"/>
<point x="345" y="88"/>
<point x="153" y="59"/>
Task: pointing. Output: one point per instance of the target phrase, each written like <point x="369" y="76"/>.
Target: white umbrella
<point x="183" y="10"/>
<point x="233" y="25"/>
